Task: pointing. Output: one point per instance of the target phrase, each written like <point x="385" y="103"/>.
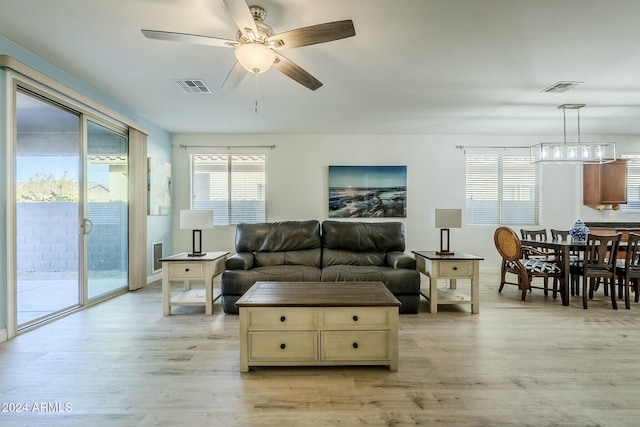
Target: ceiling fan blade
<point x="188" y="38"/>
<point x="234" y="77"/>
<point x="295" y="72"/>
<point x="242" y="16"/>
<point x="314" y="34"/>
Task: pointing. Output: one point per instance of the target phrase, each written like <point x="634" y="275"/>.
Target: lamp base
<point x="444" y="243"/>
<point x="198" y="254"/>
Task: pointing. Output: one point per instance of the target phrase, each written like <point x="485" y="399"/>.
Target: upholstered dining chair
<point x="599" y="262"/>
<point x="514" y="261"/>
<point x="628" y="269"/>
<point x="539" y="235"/>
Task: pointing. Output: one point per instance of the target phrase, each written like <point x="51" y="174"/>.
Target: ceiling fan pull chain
<point x="256" y="106"/>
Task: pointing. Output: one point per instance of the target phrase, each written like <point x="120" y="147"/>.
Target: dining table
<point x="563" y="248"/>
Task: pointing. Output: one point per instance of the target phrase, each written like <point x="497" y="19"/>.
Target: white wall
<point x="297" y="183"/>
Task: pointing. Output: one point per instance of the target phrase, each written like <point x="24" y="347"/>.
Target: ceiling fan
<point x="257" y="47"/>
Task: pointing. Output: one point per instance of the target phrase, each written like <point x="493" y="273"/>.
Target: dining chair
<point x="515" y="261"/>
<point x="559" y="235"/>
<point x="574" y="256"/>
<point x="599" y="262"/>
<point x="534" y="234"/>
<point x="538" y="235"/>
<point x="628" y="269"/>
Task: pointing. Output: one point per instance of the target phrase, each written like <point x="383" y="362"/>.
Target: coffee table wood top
<point x="317" y="294"/>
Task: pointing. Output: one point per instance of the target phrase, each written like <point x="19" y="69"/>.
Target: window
<point x="233" y="186"/>
<point x="501" y="189"/>
<point x="633" y="183"/>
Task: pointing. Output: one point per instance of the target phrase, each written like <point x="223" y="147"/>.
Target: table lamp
<point x="446" y="219"/>
<point x="196" y="220"/>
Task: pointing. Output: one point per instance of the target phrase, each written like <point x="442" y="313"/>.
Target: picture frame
<point x="367" y="191"/>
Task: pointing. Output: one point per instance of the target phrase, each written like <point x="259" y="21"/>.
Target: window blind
<point x="633" y="183"/>
<point x="501" y="189"/>
<point x="233" y="186"/>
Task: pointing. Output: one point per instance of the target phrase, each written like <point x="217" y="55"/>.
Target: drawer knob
<point x="283" y="346"/>
<point x="186" y="269"/>
<point x="455" y="268"/>
<point x="355" y="345"/>
<point x="355" y="318"/>
<point x="282" y="318"/>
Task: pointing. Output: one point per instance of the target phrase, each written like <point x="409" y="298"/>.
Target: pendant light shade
<point x="576" y="152"/>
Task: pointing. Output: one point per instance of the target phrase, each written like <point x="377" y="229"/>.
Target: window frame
<point x="502" y="177"/>
<point x="233" y="213"/>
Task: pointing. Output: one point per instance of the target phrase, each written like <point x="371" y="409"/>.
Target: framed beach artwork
<point x="367" y="191"/>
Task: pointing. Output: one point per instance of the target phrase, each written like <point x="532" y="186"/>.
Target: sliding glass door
<point x="71" y="202"/>
<point x="48" y="210"/>
<point x="107" y="238"/>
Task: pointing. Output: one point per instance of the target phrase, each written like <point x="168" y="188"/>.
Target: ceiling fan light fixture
<point x="255" y="57"/>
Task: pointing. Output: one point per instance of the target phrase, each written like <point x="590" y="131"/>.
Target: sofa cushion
<point x="310" y="257"/>
<point x="397" y="281"/>
<point x="237" y="282"/>
<point x="342" y="257"/>
<point x="363" y="236"/>
<point x="278" y="236"/>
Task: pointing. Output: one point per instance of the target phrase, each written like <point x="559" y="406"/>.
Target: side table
<point x="183" y="267"/>
<point x="457" y="266"/>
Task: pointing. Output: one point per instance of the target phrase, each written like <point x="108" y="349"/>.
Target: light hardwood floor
<point x="533" y="363"/>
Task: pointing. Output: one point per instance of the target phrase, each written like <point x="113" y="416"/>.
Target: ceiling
<point x="414" y="66"/>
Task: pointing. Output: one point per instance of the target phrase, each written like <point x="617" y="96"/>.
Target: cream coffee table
<point x="318" y="324"/>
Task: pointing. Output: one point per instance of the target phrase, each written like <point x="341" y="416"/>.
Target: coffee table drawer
<point x="274" y="346"/>
<point x="282" y="318"/>
<point x="355" y="345"/>
<point x="355" y="318"/>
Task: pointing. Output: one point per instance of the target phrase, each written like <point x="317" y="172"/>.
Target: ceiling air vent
<point x="561" y="87"/>
<point x="193" y="86"/>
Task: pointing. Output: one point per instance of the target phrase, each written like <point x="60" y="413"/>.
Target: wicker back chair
<point x="515" y="261"/>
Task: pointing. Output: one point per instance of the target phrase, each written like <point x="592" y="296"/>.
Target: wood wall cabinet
<point x="605" y="184"/>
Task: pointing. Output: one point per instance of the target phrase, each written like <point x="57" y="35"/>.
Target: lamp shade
<point x="255" y="57"/>
<point x="448" y="218"/>
<point x="196" y="219"/>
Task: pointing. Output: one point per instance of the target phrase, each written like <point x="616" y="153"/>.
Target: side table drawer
<point x="186" y="270"/>
<point x="281" y="318"/>
<point x="355" y="345"/>
<point x="355" y="318"/>
<point x="456" y="268"/>
<point x="283" y="346"/>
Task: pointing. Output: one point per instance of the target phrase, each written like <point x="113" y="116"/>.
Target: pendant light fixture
<point x="577" y="152"/>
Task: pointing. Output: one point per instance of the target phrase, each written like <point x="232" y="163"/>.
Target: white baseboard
<point x="154" y="278"/>
<point x="4" y="336"/>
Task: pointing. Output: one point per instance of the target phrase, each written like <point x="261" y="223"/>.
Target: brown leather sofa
<point x="334" y="251"/>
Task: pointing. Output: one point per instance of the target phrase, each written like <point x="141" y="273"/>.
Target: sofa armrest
<point x="398" y="260"/>
<point x="240" y="261"/>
